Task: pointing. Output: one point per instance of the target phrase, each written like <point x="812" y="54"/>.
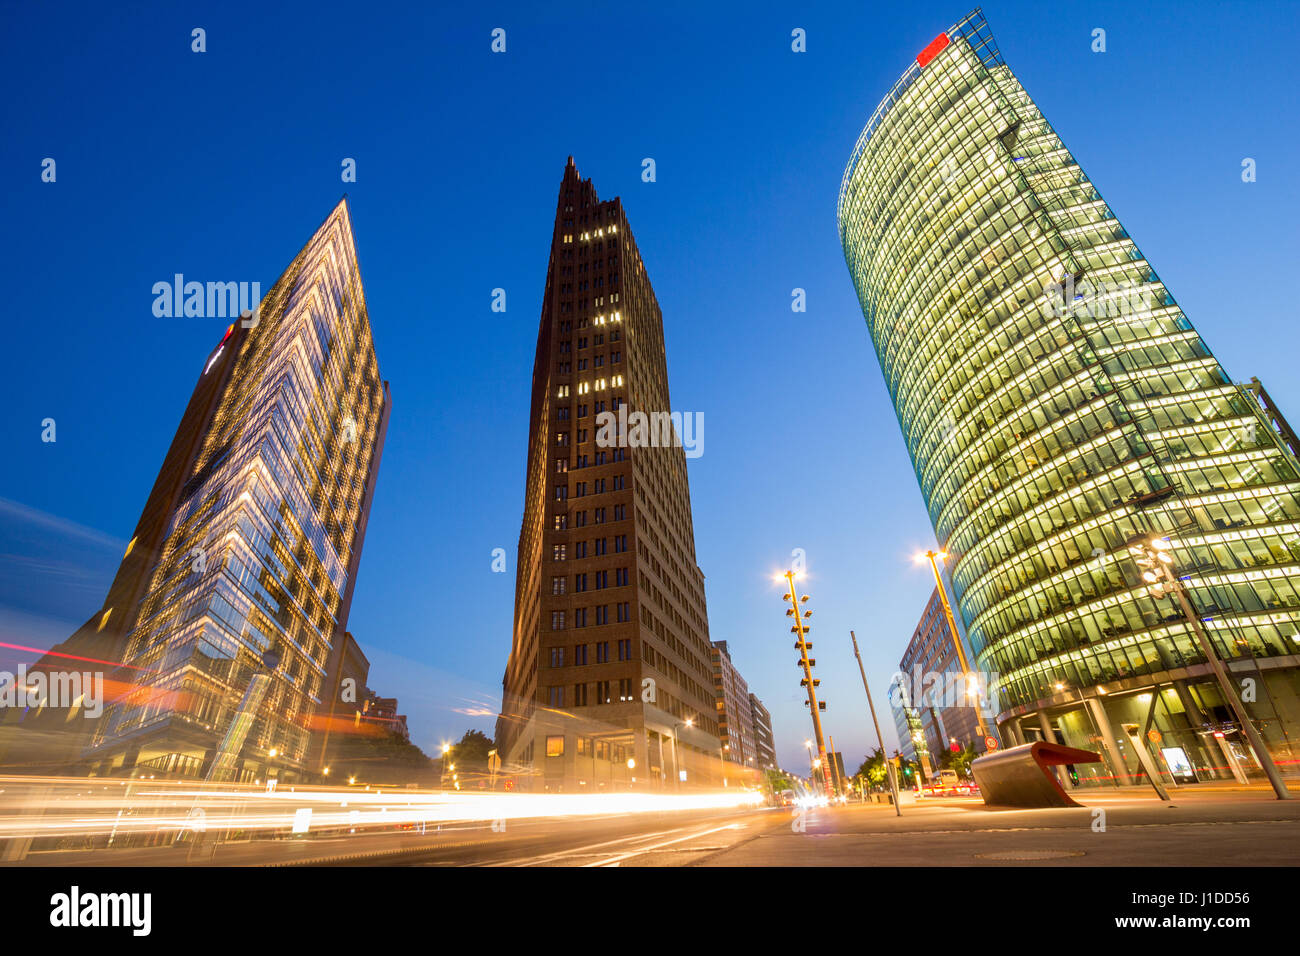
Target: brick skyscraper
<point x="610" y="655"/>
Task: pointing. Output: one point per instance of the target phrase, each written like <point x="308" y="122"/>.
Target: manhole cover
<point x="1028" y="855"/>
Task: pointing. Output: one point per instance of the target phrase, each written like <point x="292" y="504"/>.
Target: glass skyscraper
<point x="253" y="538"/>
<point x="1057" y="403"/>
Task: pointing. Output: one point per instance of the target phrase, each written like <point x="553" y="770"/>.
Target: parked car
<point x="946" y="783"/>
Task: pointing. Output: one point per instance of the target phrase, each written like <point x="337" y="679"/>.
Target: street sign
<point x="1153" y="735"/>
<point x="990" y="744"/>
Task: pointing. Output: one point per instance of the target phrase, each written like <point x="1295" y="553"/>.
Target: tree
<point x="873" y="768"/>
<point x="376" y="755"/>
<point x="471" y="753"/>
<point x="776" y="780"/>
<point x="959" y="761"/>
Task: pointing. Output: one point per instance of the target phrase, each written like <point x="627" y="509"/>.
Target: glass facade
<point x="908" y="726"/>
<point x="1055" y="400"/>
<point x="255" y="573"/>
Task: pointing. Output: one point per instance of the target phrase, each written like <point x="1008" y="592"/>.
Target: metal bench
<point x="1022" y="776"/>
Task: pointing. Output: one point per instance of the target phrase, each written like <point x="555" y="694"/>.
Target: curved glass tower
<point x="1056" y="404"/>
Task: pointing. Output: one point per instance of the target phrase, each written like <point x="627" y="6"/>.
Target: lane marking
<point x="614" y="861"/>
<point x="531" y="861"/>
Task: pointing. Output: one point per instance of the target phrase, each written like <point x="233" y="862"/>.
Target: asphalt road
<point x="657" y="838"/>
<point x="1241" y="829"/>
<point x="1211" y="829"/>
<point x="1247" y="829"/>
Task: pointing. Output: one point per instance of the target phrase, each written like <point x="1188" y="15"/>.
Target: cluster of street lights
<point x="1154" y="558"/>
<point x="819" y="761"/>
<point x="797" y="611"/>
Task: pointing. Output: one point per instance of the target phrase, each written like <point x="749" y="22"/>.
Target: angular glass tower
<point x="252" y="538"/>
<point x="1056" y="403"/>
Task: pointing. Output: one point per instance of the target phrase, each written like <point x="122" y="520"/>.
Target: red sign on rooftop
<point x="932" y="50"/>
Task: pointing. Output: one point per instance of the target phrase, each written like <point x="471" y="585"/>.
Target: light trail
<point x="90" y="807"/>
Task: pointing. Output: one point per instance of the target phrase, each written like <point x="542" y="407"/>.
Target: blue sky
<point x="219" y="165"/>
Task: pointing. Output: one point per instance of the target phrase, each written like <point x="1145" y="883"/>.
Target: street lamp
<point x="968" y="679"/>
<point x="803" y="646"/>
<point x="1152" y="556"/>
<point x="677" y="750"/>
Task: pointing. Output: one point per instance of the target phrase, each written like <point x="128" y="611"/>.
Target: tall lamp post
<point x="1151" y="554"/>
<point x="803" y="645"/>
<point x="966" y="677"/>
<point x="446" y="757"/>
<point x="677" y="750"/>
<point x="889" y="767"/>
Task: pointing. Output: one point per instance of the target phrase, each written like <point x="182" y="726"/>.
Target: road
<point x="661" y="838"/>
<point x="1242" y="829"/>
<point x="1197" y="829"/>
<point x="1207" y="828"/>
